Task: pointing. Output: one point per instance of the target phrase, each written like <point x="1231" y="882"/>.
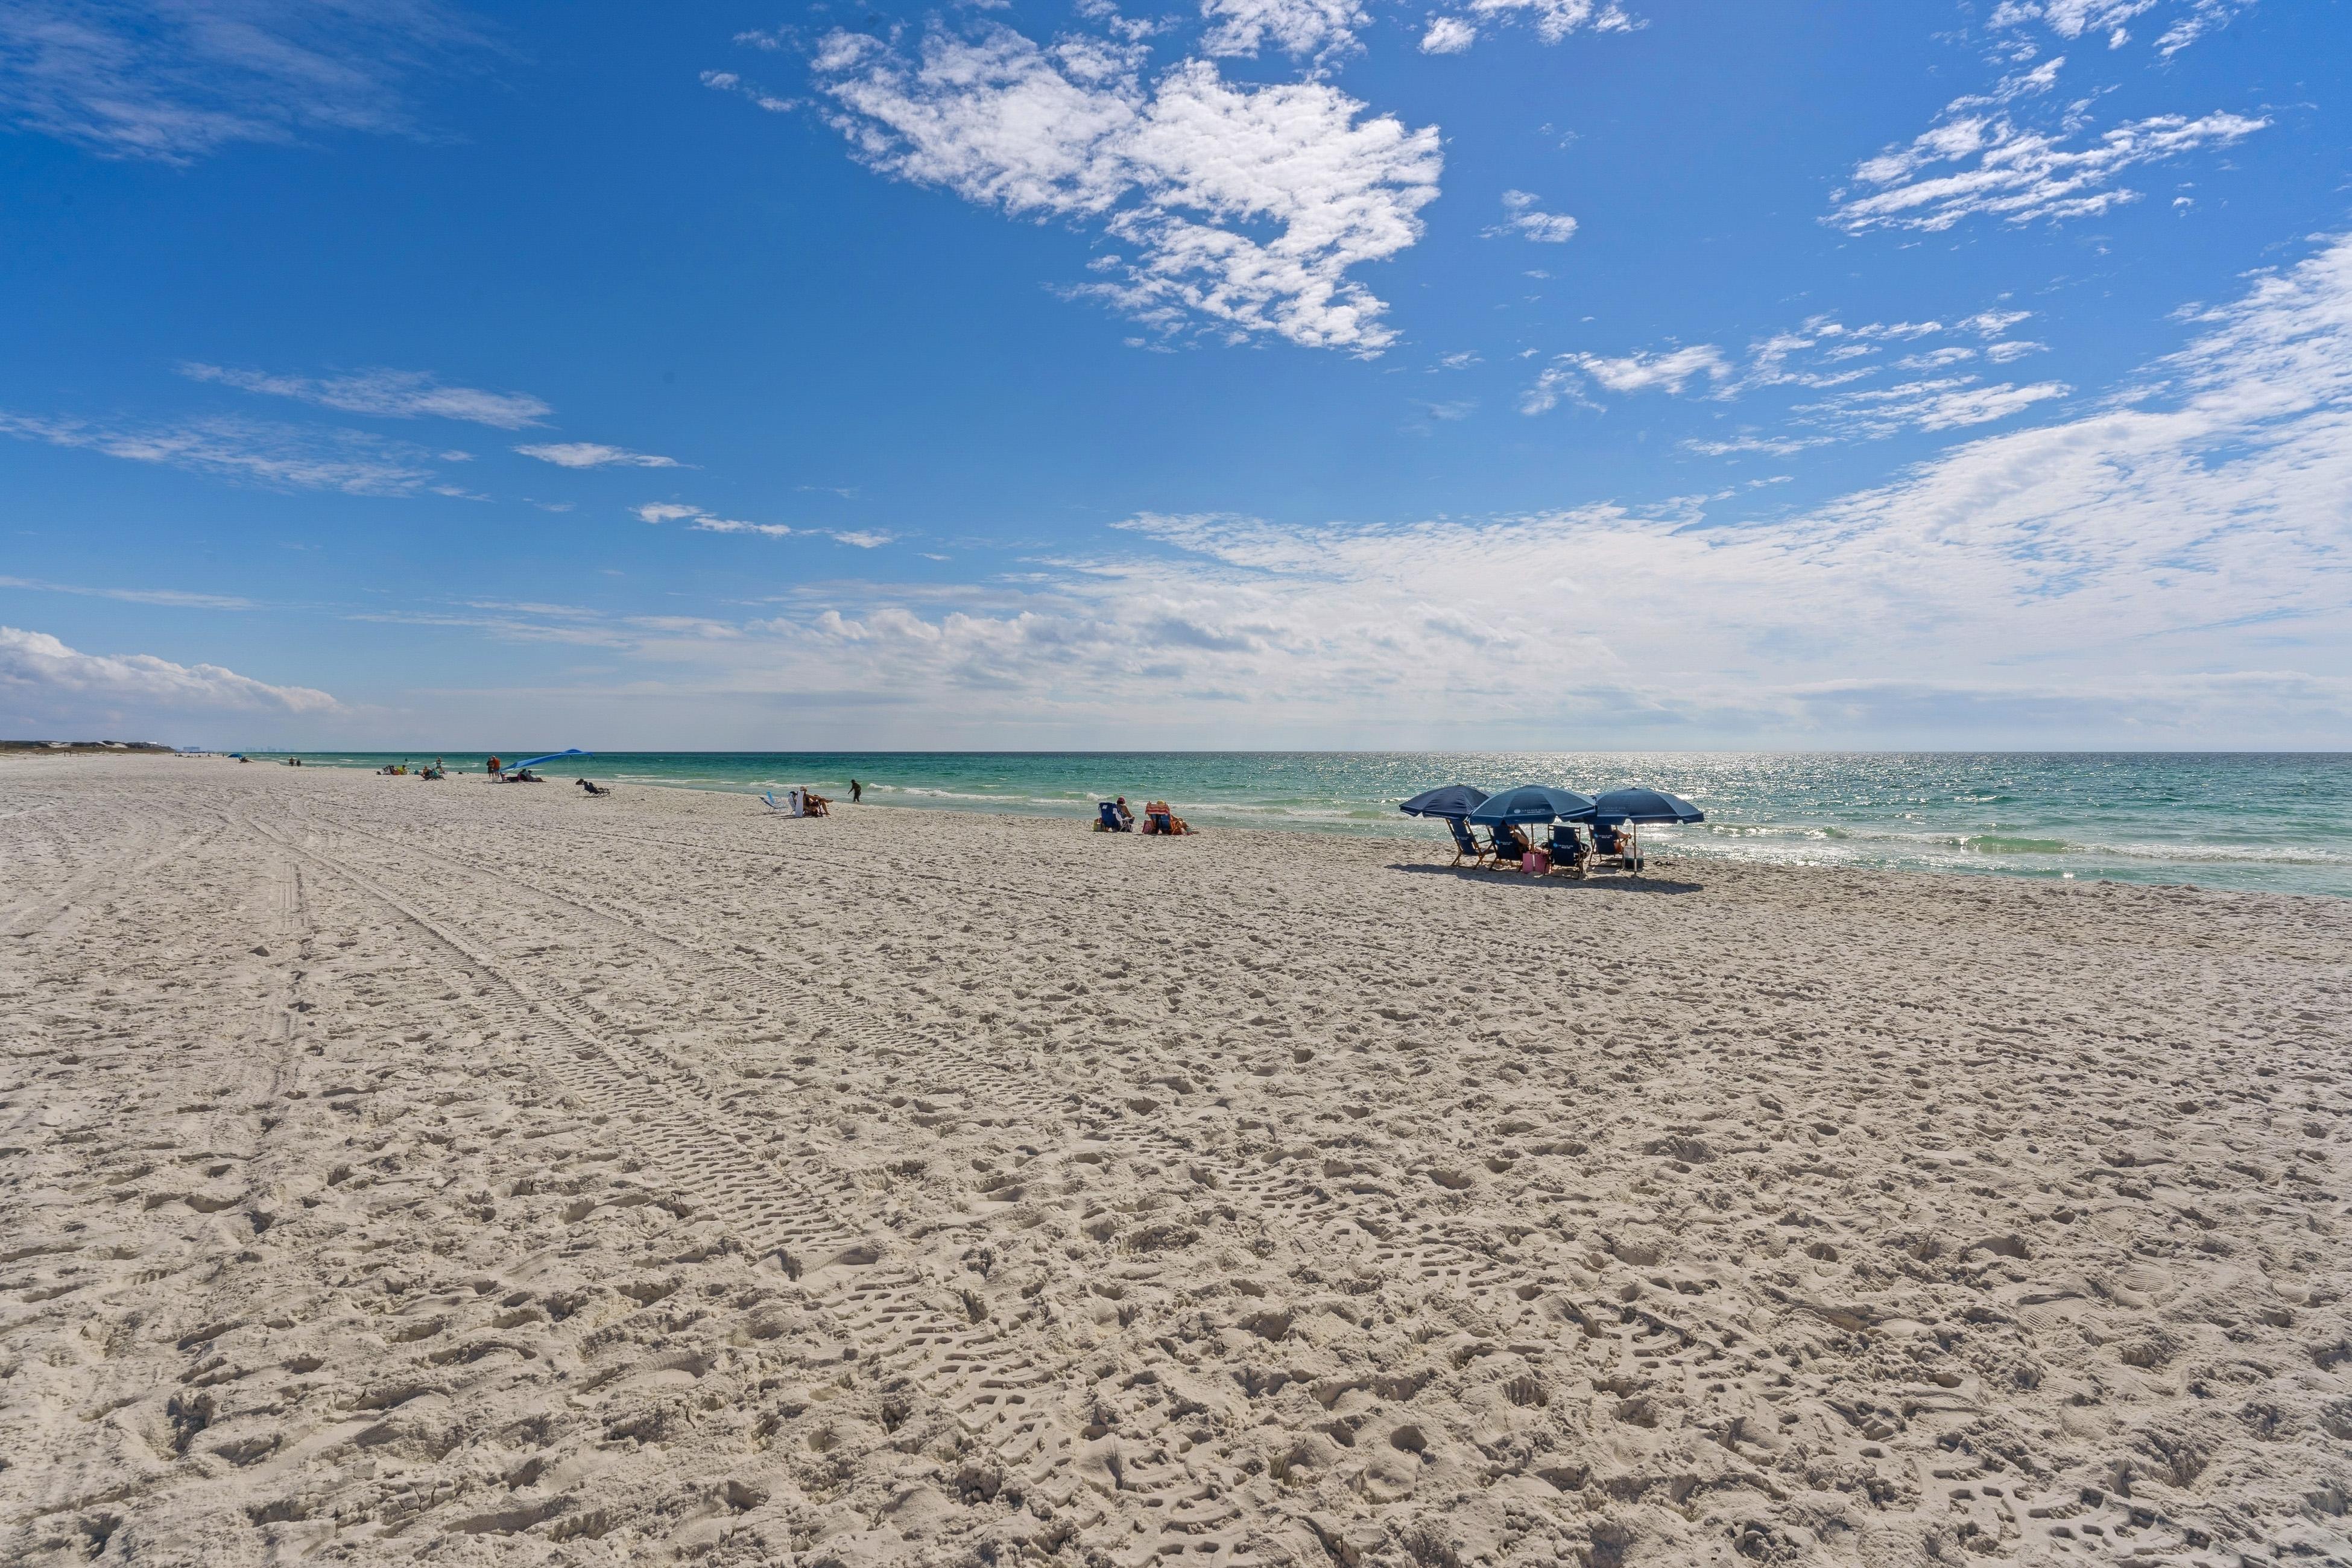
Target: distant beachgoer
<point x="1124" y="815"/>
<point x="857" y="791"/>
<point x="814" y="803"/>
<point x="492" y="768"/>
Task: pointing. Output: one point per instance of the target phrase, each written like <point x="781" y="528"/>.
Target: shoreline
<point x="1698" y="848"/>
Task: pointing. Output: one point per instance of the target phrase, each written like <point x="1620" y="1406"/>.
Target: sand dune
<point x="399" y="1170"/>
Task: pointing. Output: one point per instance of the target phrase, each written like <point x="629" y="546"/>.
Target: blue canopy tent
<point x="1638" y="805"/>
<point x="1534" y="803"/>
<point x="1445" y="800"/>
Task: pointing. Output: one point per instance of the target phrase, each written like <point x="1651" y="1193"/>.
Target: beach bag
<point x="1535" y="862"/>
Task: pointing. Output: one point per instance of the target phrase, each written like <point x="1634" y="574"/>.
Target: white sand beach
<point x="395" y="1170"/>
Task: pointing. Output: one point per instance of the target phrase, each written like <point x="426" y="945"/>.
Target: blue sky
<point x="1270" y="373"/>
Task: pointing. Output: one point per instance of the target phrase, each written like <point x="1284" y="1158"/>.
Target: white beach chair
<point x="791" y="805"/>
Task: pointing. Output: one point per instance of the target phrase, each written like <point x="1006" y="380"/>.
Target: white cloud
<point x="2169" y="567"/>
<point x="1298" y="27"/>
<point x="1670" y="370"/>
<point x="173" y="598"/>
<point x="1246" y="207"/>
<point x="1977" y="163"/>
<point x="708" y="525"/>
<point x="2074" y="18"/>
<point x="593" y="455"/>
<point x="387" y="394"/>
<point x="1448" y="36"/>
<point x="1822" y="355"/>
<point x="45" y="676"/>
<point x="175" y="83"/>
<point x="279" y="456"/>
<point x="1555" y="19"/>
<point x="728" y="81"/>
<point x="1946" y="403"/>
<point x="1522" y="218"/>
<point x="703" y="522"/>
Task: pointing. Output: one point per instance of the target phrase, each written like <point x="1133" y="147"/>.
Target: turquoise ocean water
<point x="2274" y="822"/>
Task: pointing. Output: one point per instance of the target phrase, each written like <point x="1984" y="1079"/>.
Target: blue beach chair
<point x="1566" y="848"/>
<point x="1465" y="843"/>
<point x="1107" y="817"/>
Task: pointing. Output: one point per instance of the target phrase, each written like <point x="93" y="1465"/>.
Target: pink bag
<point x="1535" y="862"/>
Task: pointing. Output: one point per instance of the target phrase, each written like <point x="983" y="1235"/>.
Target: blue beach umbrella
<point x="1534" y="803"/>
<point x="550" y="757"/>
<point x="1445" y="800"/>
<point x="1644" y="805"/>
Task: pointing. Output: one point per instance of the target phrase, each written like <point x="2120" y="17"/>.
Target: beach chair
<point x="1610" y="842"/>
<point x="1465" y="843"/>
<point x="1566" y="847"/>
<point x="1162" y="822"/>
<point x="1107" y="817"/>
<point x="788" y="807"/>
<point x="1507" y="845"/>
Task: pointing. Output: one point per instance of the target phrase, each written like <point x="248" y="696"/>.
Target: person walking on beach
<point x="857" y="791"/>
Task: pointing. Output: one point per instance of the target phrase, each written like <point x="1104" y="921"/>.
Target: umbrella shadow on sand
<point x="1527" y="884"/>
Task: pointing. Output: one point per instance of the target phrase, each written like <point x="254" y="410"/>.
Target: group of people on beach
<point x="1113" y="817"/>
<point x="1565" y="851"/>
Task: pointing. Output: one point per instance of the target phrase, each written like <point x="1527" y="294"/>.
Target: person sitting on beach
<point x="592" y="788"/>
<point x="1158" y="818"/>
<point x="524" y="775"/>
<point x="1126" y="817"/>
<point x="1510" y="844"/>
<point x="814" y="803"/>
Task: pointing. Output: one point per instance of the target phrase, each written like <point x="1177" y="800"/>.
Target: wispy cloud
<point x="594" y="455"/>
<point x="1245" y="206"/>
<point x="1978" y="161"/>
<point x="173" y="597"/>
<point x="1553" y="20"/>
<point x="1944" y="403"/>
<point x="175" y="83"/>
<point x="1522" y="218"/>
<point x="2111" y="20"/>
<point x="728" y="81"/>
<point x="702" y="522"/>
<point x="1824" y="355"/>
<point x="280" y="456"/>
<point x="45" y="676"/>
<point x="387" y="394"/>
